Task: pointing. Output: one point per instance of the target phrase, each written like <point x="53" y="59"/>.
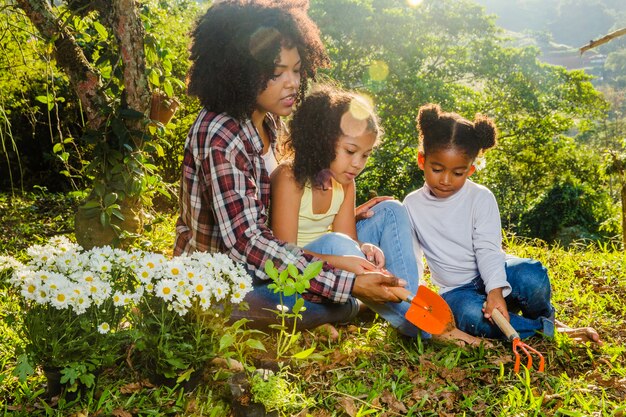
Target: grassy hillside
<point x="369" y="369"/>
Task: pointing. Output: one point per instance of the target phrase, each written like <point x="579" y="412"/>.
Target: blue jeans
<point x="530" y="296"/>
<point x="390" y="229"/>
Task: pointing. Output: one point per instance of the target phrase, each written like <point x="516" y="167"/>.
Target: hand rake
<point x="518" y="345"/>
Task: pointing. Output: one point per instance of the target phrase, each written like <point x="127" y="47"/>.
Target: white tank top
<point x="270" y="161"/>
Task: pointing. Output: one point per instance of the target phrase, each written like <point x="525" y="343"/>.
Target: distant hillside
<point x="569" y="22"/>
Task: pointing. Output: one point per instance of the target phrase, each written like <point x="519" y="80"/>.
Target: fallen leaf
<point x="120" y="412"/>
<point x="348" y="406"/>
<point x="393" y="403"/>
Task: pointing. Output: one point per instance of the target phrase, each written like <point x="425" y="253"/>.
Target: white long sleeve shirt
<point x="461" y="236"/>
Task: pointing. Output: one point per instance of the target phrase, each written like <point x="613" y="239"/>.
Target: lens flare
<point x="378" y="70"/>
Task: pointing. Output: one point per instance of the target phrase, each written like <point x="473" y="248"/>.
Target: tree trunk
<point x="122" y="19"/>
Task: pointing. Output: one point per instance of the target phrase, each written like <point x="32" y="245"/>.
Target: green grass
<point x="370" y="370"/>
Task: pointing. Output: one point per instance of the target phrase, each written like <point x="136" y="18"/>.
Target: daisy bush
<point x="81" y="308"/>
<point x="186" y="302"/>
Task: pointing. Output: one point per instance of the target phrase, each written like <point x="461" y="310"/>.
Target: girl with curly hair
<point x="331" y="137"/>
<point x="251" y="63"/>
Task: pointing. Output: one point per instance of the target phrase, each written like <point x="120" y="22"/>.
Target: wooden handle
<point x="504" y="325"/>
<point x="402" y="293"/>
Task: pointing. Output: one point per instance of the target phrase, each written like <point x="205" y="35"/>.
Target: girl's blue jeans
<point x="528" y="303"/>
<point x="389" y="229"/>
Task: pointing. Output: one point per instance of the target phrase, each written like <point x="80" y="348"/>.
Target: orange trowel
<point x="428" y="311"/>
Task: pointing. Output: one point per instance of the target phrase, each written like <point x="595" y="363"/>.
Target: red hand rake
<point x="518" y="345"/>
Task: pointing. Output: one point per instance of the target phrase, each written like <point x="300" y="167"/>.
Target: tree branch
<point x="70" y="57"/>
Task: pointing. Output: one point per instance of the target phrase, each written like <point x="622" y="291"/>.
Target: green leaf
<point x="313" y="269"/>
<point x="87" y="379"/>
<point x="110" y="199"/>
<point x="289" y="291"/>
<point x="185" y="376"/>
<point x="271" y="270"/>
<point x="102" y="31"/>
<point x="153" y="77"/>
<point x="43" y="99"/>
<point x="23" y="369"/>
<point x="90" y="204"/>
<point x="116" y="212"/>
<point x="304" y="354"/>
<point x="58" y="147"/>
<point x="255" y="344"/>
<point x="298" y="305"/>
<point x="176" y="363"/>
<point x="282" y="277"/>
<point x="167" y="87"/>
<point x="226" y="341"/>
<point x="69" y="375"/>
<point x="104" y="219"/>
<point x="293" y="271"/>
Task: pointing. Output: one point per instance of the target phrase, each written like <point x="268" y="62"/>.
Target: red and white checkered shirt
<point x="224" y="196"/>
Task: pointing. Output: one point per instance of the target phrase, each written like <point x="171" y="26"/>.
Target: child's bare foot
<point x="460" y="338"/>
<point x="579" y="334"/>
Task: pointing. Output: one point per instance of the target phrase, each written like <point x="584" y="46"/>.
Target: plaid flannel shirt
<point x="224" y="196"/>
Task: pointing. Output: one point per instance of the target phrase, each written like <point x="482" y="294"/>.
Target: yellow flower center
<point x="167" y="290"/>
<point x="175" y="271"/>
<point x="31" y="288"/>
<point x="60" y="298"/>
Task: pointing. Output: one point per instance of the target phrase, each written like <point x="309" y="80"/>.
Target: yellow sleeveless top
<point x="311" y="225"/>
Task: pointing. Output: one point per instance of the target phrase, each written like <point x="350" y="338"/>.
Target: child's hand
<point x="373" y="254"/>
<point x="364" y="210"/>
<point x="496" y="300"/>
<point x="353" y="263"/>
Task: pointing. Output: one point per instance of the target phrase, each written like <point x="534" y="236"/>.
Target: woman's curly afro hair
<point x="316" y="127"/>
<point x="235" y="46"/>
<point x="441" y="130"/>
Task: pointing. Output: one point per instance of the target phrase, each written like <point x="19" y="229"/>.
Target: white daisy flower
<point x="165" y="288"/>
<point x="104" y="328"/>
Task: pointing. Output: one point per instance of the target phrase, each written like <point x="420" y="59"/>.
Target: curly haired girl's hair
<point x="317" y="125"/>
<point x="441" y="130"/>
<point x="235" y="46"/>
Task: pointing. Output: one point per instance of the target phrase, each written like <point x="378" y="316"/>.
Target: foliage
<point x="290" y="282"/>
<point x="451" y="53"/>
<point x="277" y="393"/>
<point x="569" y="212"/>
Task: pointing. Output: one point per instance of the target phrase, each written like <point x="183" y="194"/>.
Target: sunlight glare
<point x="378" y="70"/>
<point x="414" y="3"/>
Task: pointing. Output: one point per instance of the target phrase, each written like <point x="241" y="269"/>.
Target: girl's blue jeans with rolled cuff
<point x="390" y="229"/>
<point x="528" y="303"/>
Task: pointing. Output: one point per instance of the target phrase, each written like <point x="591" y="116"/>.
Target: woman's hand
<point x="373" y="254"/>
<point x="373" y="287"/>
<point x="496" y="300"/>
<point x="364" y="210"/>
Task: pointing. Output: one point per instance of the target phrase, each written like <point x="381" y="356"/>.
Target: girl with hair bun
<point x="457" y="223"/>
